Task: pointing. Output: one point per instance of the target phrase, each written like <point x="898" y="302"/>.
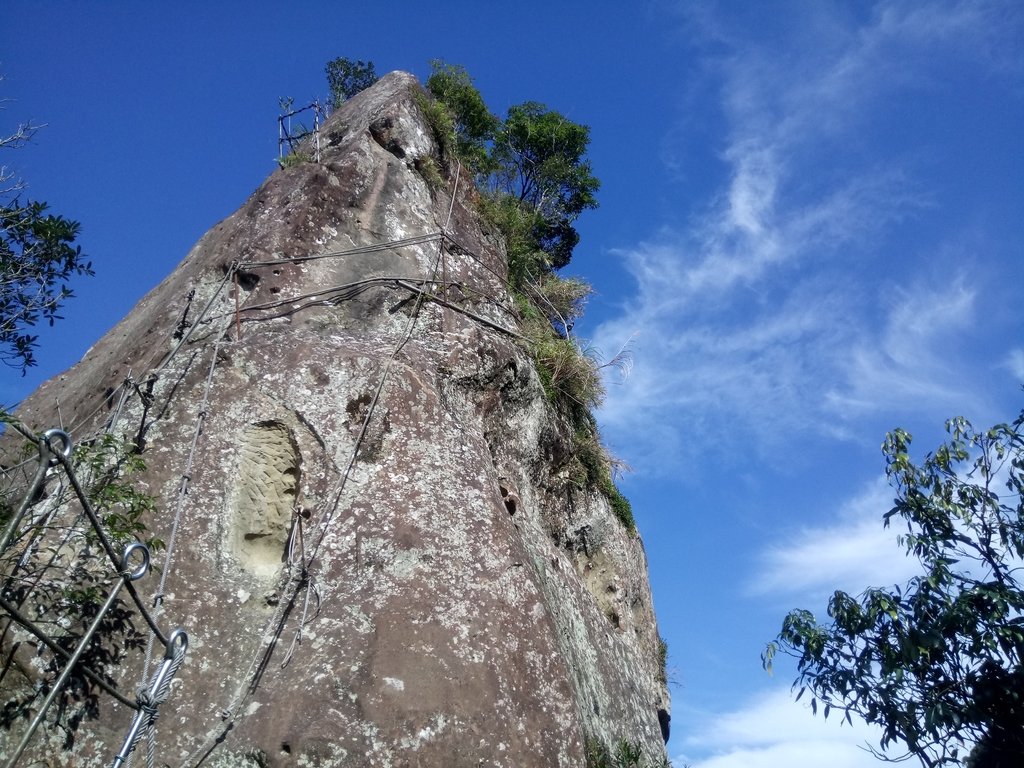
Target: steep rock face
<point x="380" y="560"/>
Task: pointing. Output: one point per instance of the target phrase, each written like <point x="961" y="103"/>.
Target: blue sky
<point x="810" y="227"/>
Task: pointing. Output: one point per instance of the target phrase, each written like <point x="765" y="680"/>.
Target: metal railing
<point x="33" y="531"/>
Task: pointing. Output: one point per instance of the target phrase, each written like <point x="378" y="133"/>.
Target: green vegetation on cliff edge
<point x="534" y="182"/>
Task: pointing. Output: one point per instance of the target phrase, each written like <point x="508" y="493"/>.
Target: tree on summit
<point x="346" y="78"/>
<point x="533" y="164"/>
<point x="473" y="123"/>
<point x="541" y="157"/>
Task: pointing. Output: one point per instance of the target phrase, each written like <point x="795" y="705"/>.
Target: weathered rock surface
<point x="463" y="603"/>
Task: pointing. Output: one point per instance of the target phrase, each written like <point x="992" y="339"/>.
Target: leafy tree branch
<point x="936" y="663"/>
<point x="38" y="256"/>
<point x="347" y="77"/>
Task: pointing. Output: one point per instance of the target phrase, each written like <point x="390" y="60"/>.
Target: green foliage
<point x="293" y="159"/>
<point x="562" y="300"/>
<point x="533" y="165"/>
<point x="662" y="661"/>
<point x="472" y="122"/>
<point x="37" y="256"/>
<point x="936" y="663"/>
<point x="540" y="184"/>
<point x="346" y="78"/>
<point x="621" y="507"/>
<point x="427" y="167"/>
<point x="596" y="464"/>
<point x="539" y="155"/>
<point x="111" y="465"/>
<point x="516" y="223"/>
<point x="442" y="125"/>
<point x="566" y="371"/>
<point x="52" y="572"/>
<point x="626" y="754"/>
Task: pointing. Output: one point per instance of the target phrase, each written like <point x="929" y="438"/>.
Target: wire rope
<point x="246" y="686"/>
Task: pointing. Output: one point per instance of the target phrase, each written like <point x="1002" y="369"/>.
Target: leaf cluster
<point x="539" y="156"/>
<point x="52" y="574"/>
<point x="37" y="255"/>
<point x="347" y="77"/>
<point x="533" y="164"/>
<point x="936" y="663"/>
<point x="472" y="124"/>
<point x="625" y="754"/>
<point x="569" y="372"/>
<point x="112" y="464"/>
<point x="63" y="610"/>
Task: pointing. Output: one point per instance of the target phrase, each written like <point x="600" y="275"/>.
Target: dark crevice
<point x="381" y="133"/>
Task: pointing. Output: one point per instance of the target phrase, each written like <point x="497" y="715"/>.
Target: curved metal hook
<point x="143" y="568"/>
<point x="64" y="438"/>
<point x="177" y="638"/>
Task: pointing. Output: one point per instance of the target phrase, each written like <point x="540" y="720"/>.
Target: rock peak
<point x="382" y="558"/>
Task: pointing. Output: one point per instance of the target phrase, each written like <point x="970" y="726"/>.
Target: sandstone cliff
<point x="379" y="559"/>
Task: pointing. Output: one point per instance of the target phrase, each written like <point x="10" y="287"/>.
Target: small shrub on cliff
<point x="427" y="168"/>
<point x="472" y="123"/>
<point x="626" y="754"/>
<point x="662" y="661"/>
<point x="592" y="457"/>
<point x="562" y="300"/>
<point x="294" y="159"/>
<point x="526" y="259"/>
<point x="442" y="125"/>
<point x="565" y="369"/>
<point x="549" y="308"/>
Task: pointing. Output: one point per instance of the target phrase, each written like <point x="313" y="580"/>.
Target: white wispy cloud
<point x="1014" y="363"/>
<point x="778" y="311"/>
<point x="907" y="362"/>
<point x="771" y="730"/>
<point x="801" y="753"/>
<point x="852" y="552"/>
<point x="810" y="353"/>
<point x="813" y="292"/>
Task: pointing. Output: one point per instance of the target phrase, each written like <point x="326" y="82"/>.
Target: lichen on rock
<point x="380" y="561"/>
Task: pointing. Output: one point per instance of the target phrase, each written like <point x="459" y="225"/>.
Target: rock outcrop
<point x="380" y="560"/>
